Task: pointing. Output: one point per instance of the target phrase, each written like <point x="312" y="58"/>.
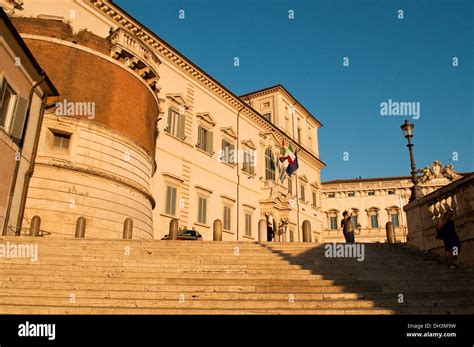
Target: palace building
<point x="139" y="131"/>
<point x="375" y="201"/>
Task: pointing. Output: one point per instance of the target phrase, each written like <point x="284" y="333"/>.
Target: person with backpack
<point x="347" y="227"/>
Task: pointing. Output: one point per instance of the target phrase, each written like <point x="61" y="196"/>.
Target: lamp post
<point x="407" y="129"/>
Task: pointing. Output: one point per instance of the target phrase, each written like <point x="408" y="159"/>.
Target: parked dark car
<point x="187" y="235"/>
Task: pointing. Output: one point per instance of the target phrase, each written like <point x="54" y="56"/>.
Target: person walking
<point x="452" y="245"/>
<point x="347" y="227"/>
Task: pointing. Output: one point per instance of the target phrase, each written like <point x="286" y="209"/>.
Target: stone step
<point x="218" y="281"/>
<point x="188" y="303"/>
<point x="36" y="309"/>
<point x="210" y="261"/>
<point x="173" y="295"/>
<point x="132" y="273"/>
<point x="45" y="286"/>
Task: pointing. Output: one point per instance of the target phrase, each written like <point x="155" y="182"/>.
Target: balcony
<point x="135" y="54"/>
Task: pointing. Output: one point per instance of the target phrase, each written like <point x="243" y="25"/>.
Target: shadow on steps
<point x="392" y="276"/>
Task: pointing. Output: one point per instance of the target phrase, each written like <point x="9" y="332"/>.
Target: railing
<point x="423" y="216"/>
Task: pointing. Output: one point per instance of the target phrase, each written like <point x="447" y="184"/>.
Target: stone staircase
<point x="88" y="276"/>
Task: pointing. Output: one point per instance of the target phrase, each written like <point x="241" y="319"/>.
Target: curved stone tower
<point x="96" y="151"/>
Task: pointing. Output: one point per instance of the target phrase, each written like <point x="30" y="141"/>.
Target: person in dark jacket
<point x="347" y="227"/>
<point x="452" y="244"/>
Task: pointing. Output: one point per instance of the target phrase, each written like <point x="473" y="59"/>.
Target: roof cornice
<point x="280" y="88"/>
<point x="172" y="55"/>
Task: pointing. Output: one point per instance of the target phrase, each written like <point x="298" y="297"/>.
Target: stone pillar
<point x="173" y="231"/>
<point x="306" y="231"/>
<point x="217" y="228"/>
<point x="35" y="226"/>
<point x="128" y="229"/>
<point x="390" y="230"/>
<point x="262" y="230"/>
<point x="80" y="228"/>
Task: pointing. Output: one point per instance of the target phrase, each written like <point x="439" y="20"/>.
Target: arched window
<point x="269" y="165"/>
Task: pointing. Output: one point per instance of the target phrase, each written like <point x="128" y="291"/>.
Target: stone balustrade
<point x="130" y="50"/>
<point x="423" y="215"/>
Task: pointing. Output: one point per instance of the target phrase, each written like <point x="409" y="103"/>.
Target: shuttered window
<point x="205" y="140"/>
<point x="8" y="105"/>
<point x="228" y="152"/>
<point x="202" y="210"/>
<point x="176" y="123"/>
<point x="170" y="200"/>
<point x="227" y="211"/>
<point x="269" y="165"/>
<point x="19" y="119"/>
<point x="248" y="164"/>
<point x="248" y="224"/>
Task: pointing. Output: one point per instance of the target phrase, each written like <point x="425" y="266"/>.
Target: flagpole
<point x="297" y="207"/>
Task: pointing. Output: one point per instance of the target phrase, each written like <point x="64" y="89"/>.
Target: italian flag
<point x="292" y="158"/>
<point x="288" y="154"/>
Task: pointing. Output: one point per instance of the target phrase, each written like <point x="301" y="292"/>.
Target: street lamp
<point x="407" y="129"/>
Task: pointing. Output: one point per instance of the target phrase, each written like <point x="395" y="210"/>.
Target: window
<point x="331" y="195"/>
<point x="248" y="224"/>
<point x="205" y="139"/>
<point x="268" y="116"/>
<point x="355" y="219"/>
<point x="202" y="210"/>
<point x="374" y="221"/>
<point x="302" y="193"/>
<point x="394" y="219"/>
<point x="227" y="212"/>
<point x="391" y="192"/>
<point x="314" y="199"/>
<point x="12" y="112"/>
<point x="351" y="194"/>
<point x="290" y="186"/>
<point x="248" y="164"/>
<point x="227" y="152"/>
<point x="371" y="193"/>
<point x="175" y="125"/>
<point x="8" y="99"/>
<point x="170" y="200"/>
<point x="269" y="165"/>
<point x="61" y="140"/>
<point x="299" y="134"/>
<point x="333" y="222"/>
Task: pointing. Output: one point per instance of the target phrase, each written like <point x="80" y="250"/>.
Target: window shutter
<point x="210" y="142"/>
<point x="168" y="200"/>
<point x="182" y="120"/>
<point x="173" y="201"/>
<point x="2" y="89"/>
<point x="19" y="117"/>
<point x="168" y="124"/>
<point x="232" y="154"/>
<point x="199" y="136"/>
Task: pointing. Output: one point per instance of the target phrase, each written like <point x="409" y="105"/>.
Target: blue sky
<point x="406" y="60"/>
